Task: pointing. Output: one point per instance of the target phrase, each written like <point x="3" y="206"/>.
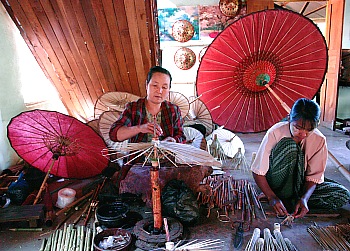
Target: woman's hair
<point x="306" y="110"/>
<point x="159" y="69"/>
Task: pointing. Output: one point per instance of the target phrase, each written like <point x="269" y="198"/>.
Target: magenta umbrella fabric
<point x="276" y="50"/>
<point x="41" y="137"/>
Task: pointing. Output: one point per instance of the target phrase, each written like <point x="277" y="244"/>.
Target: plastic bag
<point x="178" y="201"/>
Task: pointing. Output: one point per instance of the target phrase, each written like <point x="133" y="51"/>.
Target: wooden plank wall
<point x="87" y="48"/>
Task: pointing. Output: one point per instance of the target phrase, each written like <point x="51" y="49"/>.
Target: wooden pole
<point x="155" y="187"/>
<point x="156" y="196"/>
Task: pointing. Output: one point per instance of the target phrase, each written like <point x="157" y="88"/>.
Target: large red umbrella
<point x="258" y="66"/>
<point x="48" y="138"/>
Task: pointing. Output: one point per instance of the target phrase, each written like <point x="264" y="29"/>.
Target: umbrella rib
<point x="281" y="41"/>
<point x="270" y="31"/>
<point x="147" y="158"/>
<point x="166" y="156"/>
<point x="31" y="125"/>
<point x="291" y="90"/>
<point x="297" y="42"/>
<point x="227" y="97"/>
<point x="301" y="54"/>
<point x="220" y="62"/>
<point x="278" y="32"/>
<point x="262" y="31"/>
<point x="234" y="108"/>
<point x="240" y="112"/>
<point x="246" y="114"/>
<point x="234" y="36"/>
<point x="246" y="39"/>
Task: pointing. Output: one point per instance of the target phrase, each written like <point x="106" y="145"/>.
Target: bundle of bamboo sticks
<point x="209" y="244"/>
<point x="238" y="162"/>
<point x="332" y="237"/>
<point x="70" y="238"/>
<point x="230" y="195"/>
<point x="269" y="242"/>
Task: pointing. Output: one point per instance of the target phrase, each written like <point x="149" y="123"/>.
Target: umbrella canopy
<point x="259" y="65"/>
<point x="195" y="138"/>
<point x="39" y="137"/>
<point x="181" y="101"/>
<point x="200" y="114"/>
<point x="106" y="120"/>
<point x="113" y="101"/>
<point x="229" y="141"/>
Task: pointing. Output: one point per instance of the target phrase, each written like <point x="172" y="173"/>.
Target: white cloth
<point x="314" y="147"/>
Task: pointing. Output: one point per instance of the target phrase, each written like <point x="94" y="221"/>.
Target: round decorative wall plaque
<point x="182" y="31"/>
<point x="184" y="58"/>
<point x="229" y="7"/>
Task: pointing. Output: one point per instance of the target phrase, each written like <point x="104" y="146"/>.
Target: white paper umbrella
<point x="183" y="153"/>
<point x="94" y="125"/>
<point x="181" y="101"/>
<point x="106" y="120"/>
<point x="195" y="138"/>
<point x="199" y="114"/>
<point x="229" y="141"/>
<point x="113" y="101"/>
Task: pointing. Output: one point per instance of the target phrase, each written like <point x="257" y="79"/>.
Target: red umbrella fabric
<point x="43" y="137"/>
<point x="259" y="63"/>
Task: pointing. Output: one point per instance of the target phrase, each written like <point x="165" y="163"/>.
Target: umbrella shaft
<point x="44" y="182"/>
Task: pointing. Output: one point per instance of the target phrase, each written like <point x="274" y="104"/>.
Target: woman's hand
<point x="149" y="128"/>
<point x="278" y="206"/>
<point x="169" y="139"/>
<point x="301" y="208"/>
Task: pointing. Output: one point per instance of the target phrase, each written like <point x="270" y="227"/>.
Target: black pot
<point x="112" y="215"/>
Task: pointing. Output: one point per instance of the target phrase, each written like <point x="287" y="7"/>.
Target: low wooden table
<point x="26" y="213"/>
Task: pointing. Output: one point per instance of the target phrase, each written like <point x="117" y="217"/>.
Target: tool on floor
<point x="288" y="221"/>
<point x="238" y="240"/>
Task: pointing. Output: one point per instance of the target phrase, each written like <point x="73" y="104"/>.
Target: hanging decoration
<point x="184" y="58"/>
<point x="182" y="31"/>
<point x="229" y="7"/>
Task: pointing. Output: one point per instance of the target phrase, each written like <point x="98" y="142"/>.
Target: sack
<point x="18" y="190"/>
<point x="178" y="201"/>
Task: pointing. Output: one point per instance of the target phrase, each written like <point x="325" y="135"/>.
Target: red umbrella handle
<point x="284" y="105"/>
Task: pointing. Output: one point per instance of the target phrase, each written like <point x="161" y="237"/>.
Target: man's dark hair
<point x="306" y="110"/>
<point x="159" y="69"/>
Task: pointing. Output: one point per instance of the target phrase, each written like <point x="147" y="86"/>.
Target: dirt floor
<point x="210" y="226"/>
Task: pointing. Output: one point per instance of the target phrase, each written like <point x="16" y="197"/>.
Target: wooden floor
<point x="212" y="228"/>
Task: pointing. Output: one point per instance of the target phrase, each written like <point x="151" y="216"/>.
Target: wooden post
<point x="329" y="89"/>
<point x="257" y="5"/>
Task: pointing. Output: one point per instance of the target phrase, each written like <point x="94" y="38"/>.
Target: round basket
<point x="121" y="238"/>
